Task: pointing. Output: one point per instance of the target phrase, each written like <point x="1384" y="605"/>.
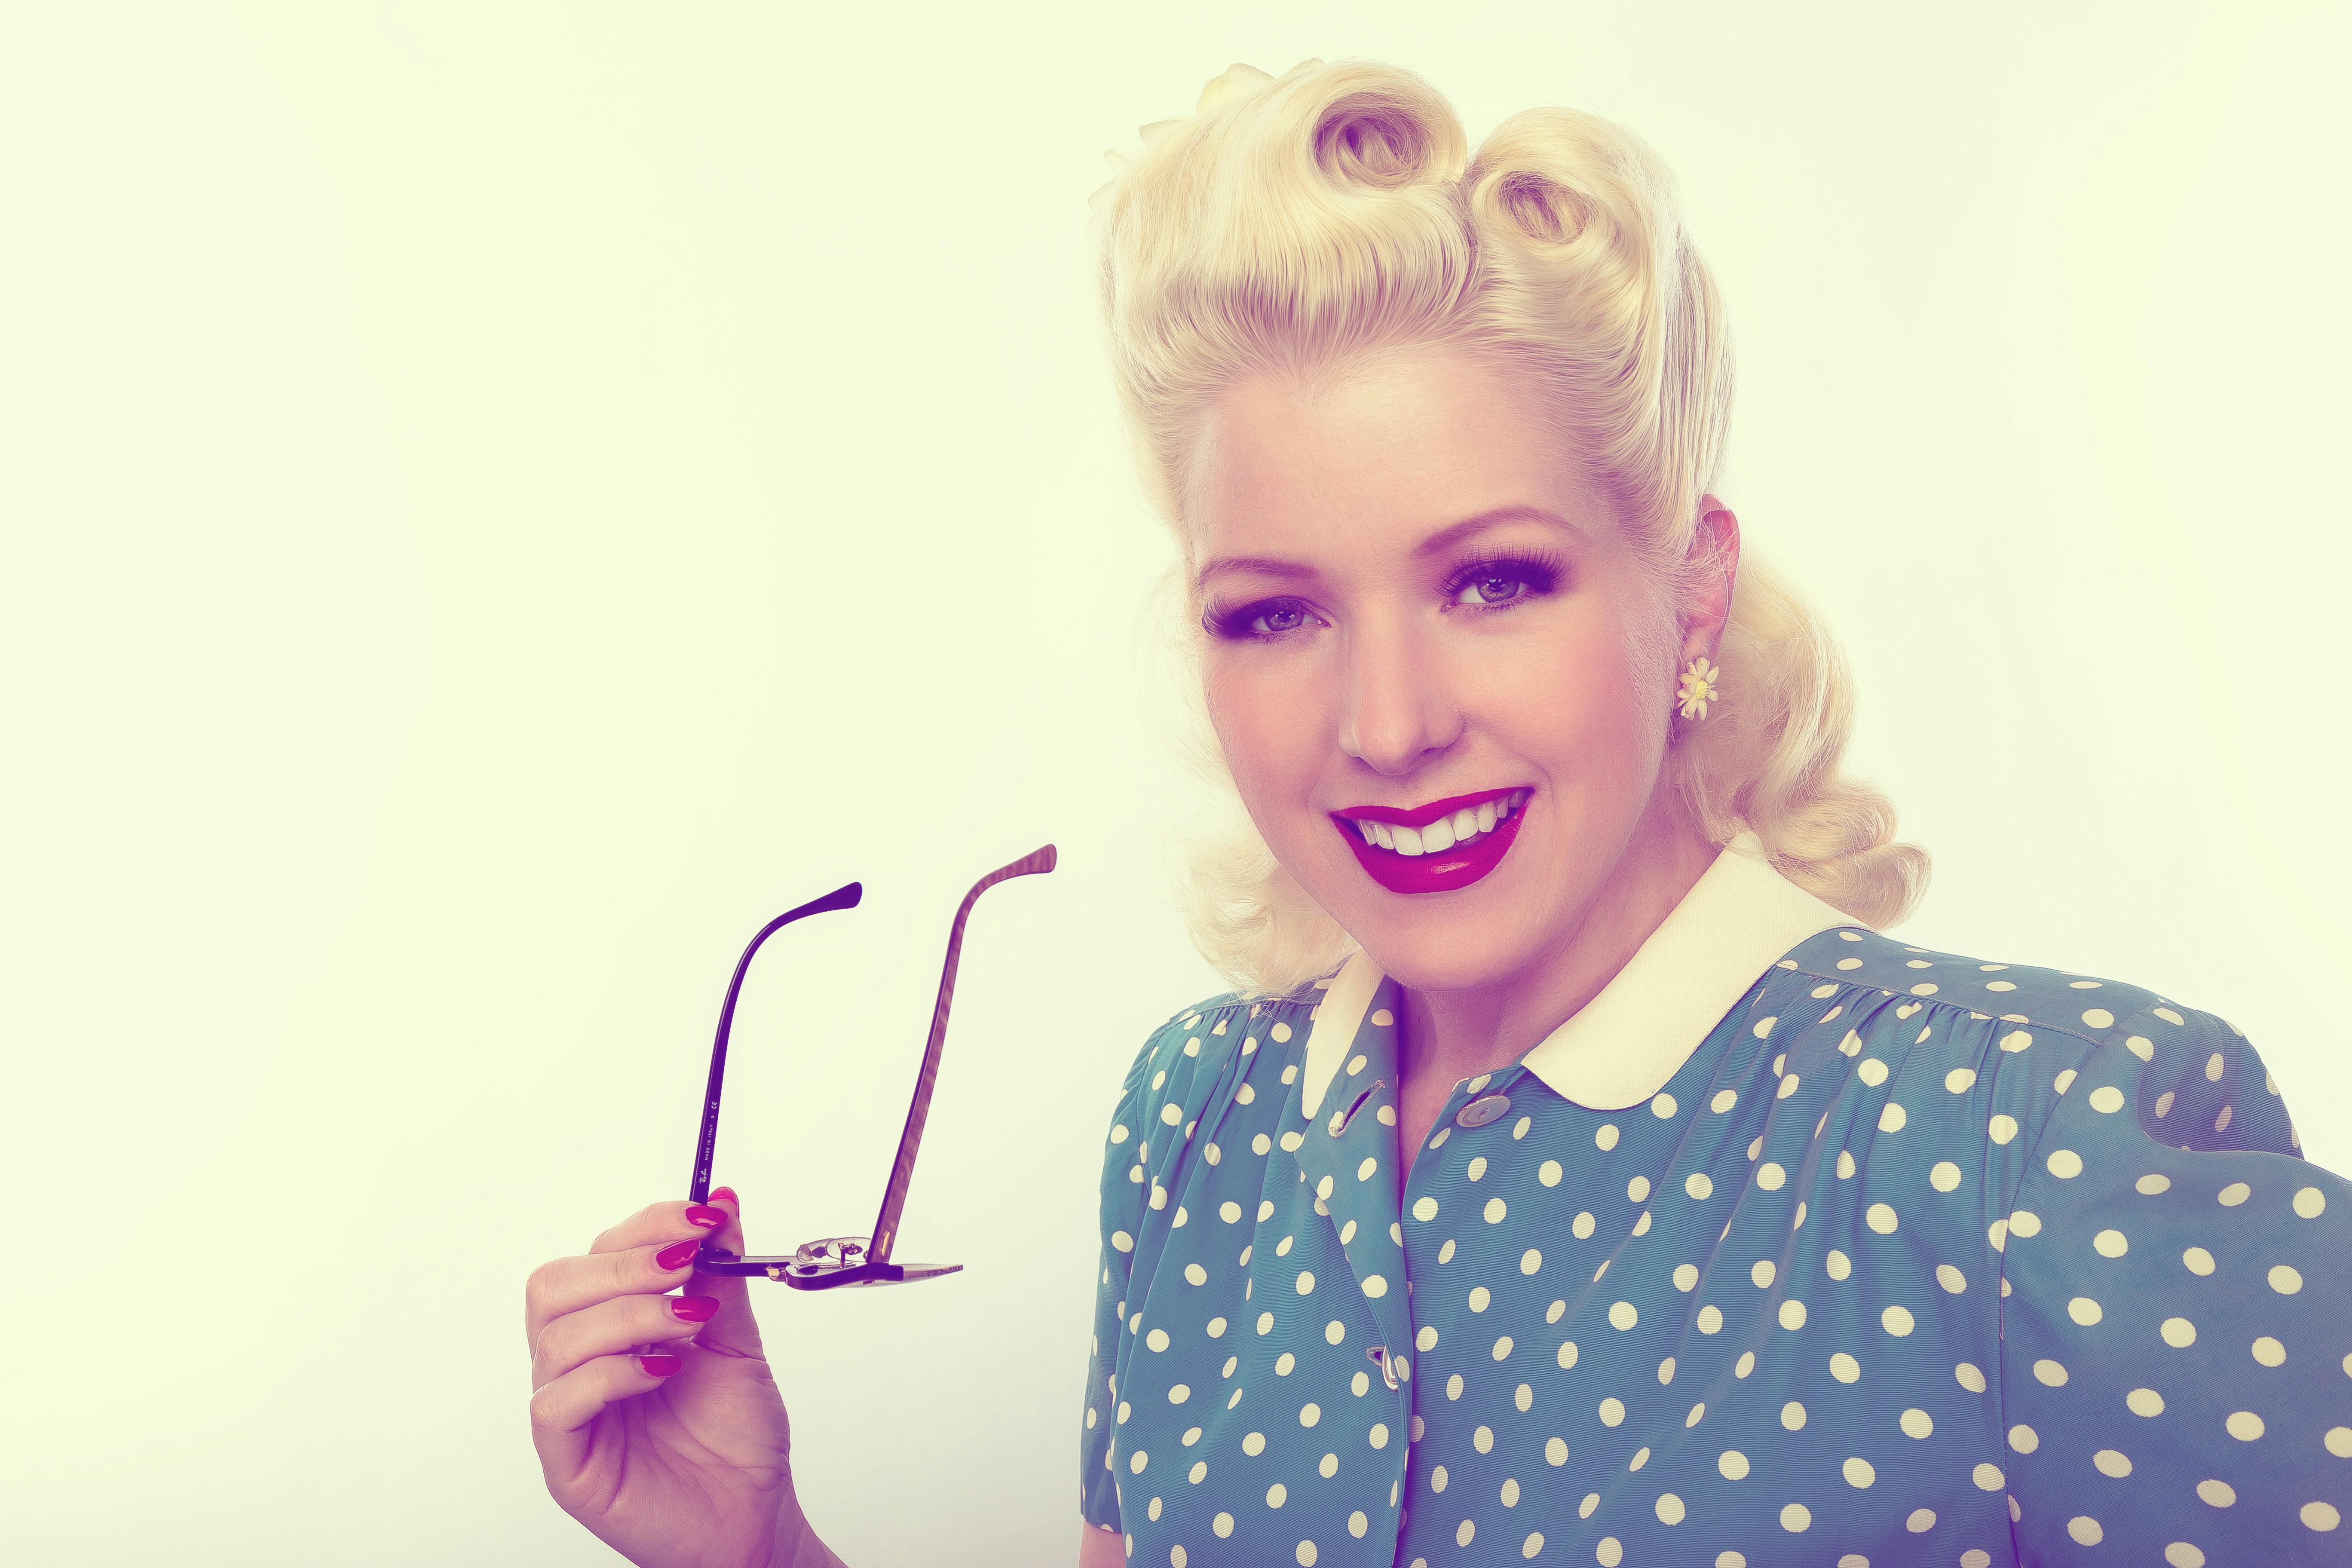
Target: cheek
<point x="1259" y="722"/>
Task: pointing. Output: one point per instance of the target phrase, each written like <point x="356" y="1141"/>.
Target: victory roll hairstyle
<point x="1297" y="224"/>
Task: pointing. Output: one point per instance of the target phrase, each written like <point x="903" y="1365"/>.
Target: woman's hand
<point x="675" y="1457"/>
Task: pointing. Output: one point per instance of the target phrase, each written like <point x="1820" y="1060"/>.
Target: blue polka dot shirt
<point x="1796" y="1245"/>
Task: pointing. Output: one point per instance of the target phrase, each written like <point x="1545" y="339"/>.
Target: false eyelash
<point x="1539" y="569"/>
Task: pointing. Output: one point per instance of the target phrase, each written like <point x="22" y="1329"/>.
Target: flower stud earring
<point x="1699" y="688"/>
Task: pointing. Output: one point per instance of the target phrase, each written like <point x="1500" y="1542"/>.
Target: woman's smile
<point x="1435" y="847"/>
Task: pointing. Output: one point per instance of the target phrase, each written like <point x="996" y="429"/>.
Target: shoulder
<point x="2065" y="1038"/>
<point x="1193" y="1049"/>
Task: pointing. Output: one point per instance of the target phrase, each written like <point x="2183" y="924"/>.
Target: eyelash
<point x="1538" y="571"/>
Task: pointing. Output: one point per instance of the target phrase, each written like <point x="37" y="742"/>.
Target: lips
<point x="1432" y="871"/>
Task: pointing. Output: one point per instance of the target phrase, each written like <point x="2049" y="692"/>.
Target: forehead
<point x="1377" y="452"/>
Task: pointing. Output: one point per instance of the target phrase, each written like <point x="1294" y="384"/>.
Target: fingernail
<point x="660" y="1365"/>
<point x="676" y="1257"/>
<point x="728" y="1193"/>
<point x="694" y="1308"/>
<point x="706" y="1217"/>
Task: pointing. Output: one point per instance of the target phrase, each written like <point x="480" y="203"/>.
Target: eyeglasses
<point x="844" y="1259"/>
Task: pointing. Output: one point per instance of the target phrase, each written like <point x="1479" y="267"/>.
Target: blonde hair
<point x="1299" y="223"/>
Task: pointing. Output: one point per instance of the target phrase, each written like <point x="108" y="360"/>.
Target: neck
<point x="1453" y="1035"/>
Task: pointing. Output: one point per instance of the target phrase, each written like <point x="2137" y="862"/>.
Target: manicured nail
<point x="728" y="1193"/>
<point x="706" y="1217"/>
<point x="676" y="1257"/>
<point x="660" y="1365"/>
<point x="694" y="1308"/>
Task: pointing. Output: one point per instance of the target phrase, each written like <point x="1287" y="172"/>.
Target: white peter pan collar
<point x="1629" y="1041"/>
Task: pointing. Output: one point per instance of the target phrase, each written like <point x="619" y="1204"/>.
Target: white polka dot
<point x="1950" y="1279"/>
<point x="2108" y="1099"/>
<point x="1710" y="1320"/>
<point x="1796" y="1517"/>
<point x="2110" y="1244"/>
<point x="1222" y="1524"/>
<point x="1122" y="1240"/>
<point x="2144" y="1402"/>
<point x="1871" y="1071"/>
<point x="1891" y="1118"/>
<point x="1605" y="1137"/>
<point x="2016" y="1040"/>
<point x="2244" y="1425"/>
<point x="1858" y="1473"/>
<point x="1662" y="1107"/>
<point x="1844" y="1368"/>
<point x="1788" y="1087"/>
<point x="2234" y="1194"/>
<point x="2049" y="1374"/>
<point x="1880" y="1217"/>
<point x="1610" y="1552"/>
<point x="1921" y="1521"/>
<point x="1970" y="1377"/>
<point x="1839" y="1264"/>
<point x="1793" y="1415"/>
<point x="2002" y="1129"/>
<point x="1276" y="1494"/>
<point x="1548" y="1173"/>
<point x="2285" y="1279"/>
<point x="1723" y="1100"/>
<point x="1502" y="1347"/>
<point x="2339" y="1441"/>
<point x="2065" y="1163"/>
<point x="1896" y="1321"/>
<point x="2109" y="1462"/>
<point x="1917" y="1423"/>
<point x="2320" y="1516"/>
<point x="1770" y="1176"/>
<point x="1988" y="1477"/>
<point x="1944" y="1176"/>
<point x="1623" y="1315"/>
<point x="2086" y="1530"/>
<point x="1733" y="1464"/>
<point x="1669" y="1509"/>
<point x="2177" y="1332"/>
<point x="1959" y="1080"/>
<point x="2023" y="1438"/>
<point x="2084" y="1310"/>
<point x="1792" y="1314"/>
<point x="2217" y="1494"/>
<point x="2197" y="1261"/>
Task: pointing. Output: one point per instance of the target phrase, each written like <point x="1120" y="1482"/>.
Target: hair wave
<point x="1296" y="222"/>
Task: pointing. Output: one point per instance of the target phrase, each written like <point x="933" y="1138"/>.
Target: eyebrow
<point x="1442" y="540"/>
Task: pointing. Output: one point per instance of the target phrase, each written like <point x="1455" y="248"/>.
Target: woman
<point x="1575" y="1173"/>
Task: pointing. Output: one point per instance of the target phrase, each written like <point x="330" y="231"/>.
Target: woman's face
<point x="1413" y="597"/>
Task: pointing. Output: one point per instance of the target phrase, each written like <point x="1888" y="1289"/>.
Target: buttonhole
<point x="1353" y="1106"/>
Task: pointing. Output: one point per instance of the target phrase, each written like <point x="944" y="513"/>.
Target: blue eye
<point x="1497" y="580"/>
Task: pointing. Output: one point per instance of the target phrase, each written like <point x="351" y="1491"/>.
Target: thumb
<point x="732" y="1329"/>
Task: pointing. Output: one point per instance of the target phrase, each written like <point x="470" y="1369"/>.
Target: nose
<point x="1397" y="708"/>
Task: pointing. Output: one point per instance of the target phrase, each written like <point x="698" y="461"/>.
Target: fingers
<point x="659" y="1264"/>
<point x="615" y="1327"/>
<point x="662" y="1222"/>
<point x="561" y="1410"/>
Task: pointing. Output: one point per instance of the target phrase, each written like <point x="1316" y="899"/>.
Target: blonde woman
<point x="1575" y="1173"/>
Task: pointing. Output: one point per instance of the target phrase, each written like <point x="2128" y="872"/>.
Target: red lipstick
<point x="1444" y="870"/>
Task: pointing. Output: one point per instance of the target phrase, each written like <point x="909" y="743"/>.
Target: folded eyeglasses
<point x="836" y="1260"/>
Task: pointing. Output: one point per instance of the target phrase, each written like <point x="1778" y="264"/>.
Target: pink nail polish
<point x="676" y="1255"/>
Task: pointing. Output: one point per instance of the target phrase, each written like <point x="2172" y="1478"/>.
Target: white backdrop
<point x="499" y="500"/>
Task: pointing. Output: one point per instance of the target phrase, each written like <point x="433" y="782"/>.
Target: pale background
<point x="502" y="500"/>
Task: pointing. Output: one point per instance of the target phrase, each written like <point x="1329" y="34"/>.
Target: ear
<point x="1716" y="537"/>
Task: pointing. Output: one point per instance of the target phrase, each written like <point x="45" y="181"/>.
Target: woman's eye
<point x="1276" y="618"/>
<point x="1495" y="588"/>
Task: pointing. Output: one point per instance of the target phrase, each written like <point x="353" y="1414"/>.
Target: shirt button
<point x="1482" y="1111"/>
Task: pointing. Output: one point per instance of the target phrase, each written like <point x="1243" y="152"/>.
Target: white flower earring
<point x="1699" y="688"/>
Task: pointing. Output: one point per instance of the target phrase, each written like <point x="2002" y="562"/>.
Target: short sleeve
<point x="2177" y="1354"/>
<point x="1121" y="1214"/>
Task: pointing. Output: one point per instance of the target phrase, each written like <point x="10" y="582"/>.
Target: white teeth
<point x="1463" y="827"/>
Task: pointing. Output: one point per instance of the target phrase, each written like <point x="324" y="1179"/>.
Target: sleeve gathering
<point x="2176" y="1363"/>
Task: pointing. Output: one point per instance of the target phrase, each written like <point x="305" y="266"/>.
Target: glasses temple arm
<point x="706" y="1144"/>
<point x="902" y="1168"/>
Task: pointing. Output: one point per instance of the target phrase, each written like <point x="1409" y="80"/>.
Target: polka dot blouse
<point x="1796" y="1245"/>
